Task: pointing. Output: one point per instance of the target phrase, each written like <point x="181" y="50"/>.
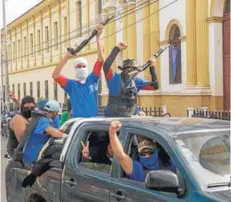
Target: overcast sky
<point x="15" y="8"/>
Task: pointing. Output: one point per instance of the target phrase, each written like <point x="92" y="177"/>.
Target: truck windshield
<point x="208" y="154"/>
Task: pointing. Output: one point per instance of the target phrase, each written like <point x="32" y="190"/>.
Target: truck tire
<point x="36" y="198"/>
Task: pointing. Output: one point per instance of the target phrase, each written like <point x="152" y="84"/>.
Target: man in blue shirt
<point x="42" y="132"/>
<point x="123" y="87"/>
<point x="83" y="90"/>
<point x="149" y="156"/>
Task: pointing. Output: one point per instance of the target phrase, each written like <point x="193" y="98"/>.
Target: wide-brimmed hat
<point x="129" y="63"/>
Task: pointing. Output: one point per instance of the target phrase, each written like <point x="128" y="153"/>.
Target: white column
<point x="215" y="59"/>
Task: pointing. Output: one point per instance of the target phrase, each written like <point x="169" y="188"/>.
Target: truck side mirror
<point x="162" y="180"/>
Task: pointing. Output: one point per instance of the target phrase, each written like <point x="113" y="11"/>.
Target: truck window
<point x="134" y="149"/>
<point x="96" y="153"/>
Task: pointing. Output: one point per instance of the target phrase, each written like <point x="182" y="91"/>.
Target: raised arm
<point x="108" y="62"/>
<point x="56" y="73"/>
<point x="146" y="85"/>
<point x="124" y="160"/>
<point x="15" y="100"/>
<point x="98" y="65"/>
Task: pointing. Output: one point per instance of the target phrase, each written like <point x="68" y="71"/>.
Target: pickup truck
<point x="199" y="148"/>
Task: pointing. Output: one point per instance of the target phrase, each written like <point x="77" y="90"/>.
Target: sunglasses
<point x="146" y="152"/>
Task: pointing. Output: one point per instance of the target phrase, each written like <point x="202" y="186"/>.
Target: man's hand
<point x="85" y="150"/>
<point x="99" y="30"/>
<point x="69" y="56"/>
<point x="12" y="96"/>
<point x="122" y="45"/>
<point x="115" y="127"/>
<point x="153" y="61"/>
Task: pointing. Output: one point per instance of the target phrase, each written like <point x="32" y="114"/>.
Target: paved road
<point x="3" y="165"/>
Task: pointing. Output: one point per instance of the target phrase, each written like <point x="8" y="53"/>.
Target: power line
<point x="95" y="21"/>
<point x="144" y="3"/>
<point x="86" y="25"/>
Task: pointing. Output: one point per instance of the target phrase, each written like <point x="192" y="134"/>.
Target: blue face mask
<point x="152" y="162"/>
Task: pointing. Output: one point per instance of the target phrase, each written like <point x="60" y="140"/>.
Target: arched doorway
<point x="226" y="54"/>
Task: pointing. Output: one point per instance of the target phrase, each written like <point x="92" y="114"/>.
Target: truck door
<point x="84" y="180"/>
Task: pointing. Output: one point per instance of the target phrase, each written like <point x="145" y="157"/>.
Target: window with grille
<point x="175" y="55"/>
<point x="65" y="31"/>
<point x="25" y="46"/>
<point x="79" y="18"/>
<point x="19" y="49"/>
<point x="24" y="89"/>
<point x="31" y="88"/>
<point x="9" y="56"/>
<point x="31" y="44"/>
<point x="19" y="95"/>
<point x="46" y="90"/>
<point x="38" y="89"/>
<point x="98" y="7"/>
<point x="39" y="42"/>
<point x="47" y="38"/>
<point x="4" y="91"/>
<point x="55" y="91"/>
<point x="56" y="36"/>
<point x="14" y="51"/>
<point x="227" y="7"/>
<point x="13" y="89"/>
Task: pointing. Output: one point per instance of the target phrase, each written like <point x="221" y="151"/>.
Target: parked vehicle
<point x="199" y="148"/>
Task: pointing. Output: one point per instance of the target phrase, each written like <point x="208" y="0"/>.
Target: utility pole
<point x="1" y="89"/>
<point x="5" y="60"/>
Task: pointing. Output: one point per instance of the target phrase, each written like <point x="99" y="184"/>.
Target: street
<point x="3" y="166"/>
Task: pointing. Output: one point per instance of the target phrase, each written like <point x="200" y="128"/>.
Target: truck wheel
<point x="36" y="198"/>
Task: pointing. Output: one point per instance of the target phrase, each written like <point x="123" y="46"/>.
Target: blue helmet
<point x="52" y="106"/>
<point x="41" y="103"/>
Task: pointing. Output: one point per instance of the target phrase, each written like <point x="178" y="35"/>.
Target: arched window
<point x="174" y="55"/>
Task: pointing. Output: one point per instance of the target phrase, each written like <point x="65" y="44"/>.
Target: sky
<point x="15" y="8"/>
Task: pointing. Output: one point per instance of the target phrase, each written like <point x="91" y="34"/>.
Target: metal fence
<point x="149" y="111"/>
<point x="223" y="115"/>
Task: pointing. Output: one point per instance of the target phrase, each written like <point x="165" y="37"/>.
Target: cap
<point x="146" y="144"/>
<point x="52" y="106"/>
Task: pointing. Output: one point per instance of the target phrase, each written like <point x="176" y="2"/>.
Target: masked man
<point x="123" y="87"/>
<point x="83" y="90"/>
<point x="19" y="122"/>
<point x="42" y="131"/>
<point x="148" y="152"/>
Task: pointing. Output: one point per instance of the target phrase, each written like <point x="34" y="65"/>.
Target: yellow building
<point x="194" y="72"/>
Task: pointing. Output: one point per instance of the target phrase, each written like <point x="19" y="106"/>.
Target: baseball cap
<point x="146" y="144"/>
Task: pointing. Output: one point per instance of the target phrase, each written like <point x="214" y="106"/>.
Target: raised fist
<point x="122" y="45"/>
<point x="115" y="126"/>
<point x="99" y="30"/>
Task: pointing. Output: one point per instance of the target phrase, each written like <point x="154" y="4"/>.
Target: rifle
<point x="156" y="55"/>
<point x="73" y="51"/>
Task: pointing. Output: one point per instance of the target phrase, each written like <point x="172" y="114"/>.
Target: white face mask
<point x="81" y="74"/>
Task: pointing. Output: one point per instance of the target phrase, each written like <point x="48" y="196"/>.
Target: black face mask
<point x="26" y="112"/>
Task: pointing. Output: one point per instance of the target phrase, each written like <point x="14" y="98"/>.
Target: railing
<point x="222" y="115"/>
<point x="149" y="111"/>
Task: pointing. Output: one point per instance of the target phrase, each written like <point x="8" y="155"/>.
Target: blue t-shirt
<point x="138" y="173"/>
<point x="84" y="97"/>
<point x="56" y="122"/>
<point x="115" y="82"/>
<point x="37" y="140"/>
